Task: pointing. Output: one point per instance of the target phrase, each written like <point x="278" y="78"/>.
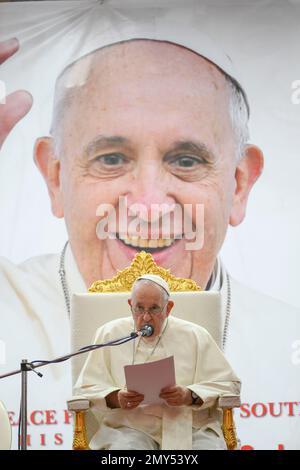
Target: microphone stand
<point x="26" y="367"/>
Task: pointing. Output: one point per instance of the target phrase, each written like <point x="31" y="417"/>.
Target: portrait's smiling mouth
<point x="150" y="245"/>
<point x="167" y="251"/>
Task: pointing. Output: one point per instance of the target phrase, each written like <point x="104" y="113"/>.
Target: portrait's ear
<point x="129" y="302"/>
<point x="49" y="167"/>
<point x="247" y="171"/>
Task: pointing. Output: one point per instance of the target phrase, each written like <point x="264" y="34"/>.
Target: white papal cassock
<point x="199" y="365"/>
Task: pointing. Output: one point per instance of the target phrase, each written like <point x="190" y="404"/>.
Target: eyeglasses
<point x="155" y="310"/>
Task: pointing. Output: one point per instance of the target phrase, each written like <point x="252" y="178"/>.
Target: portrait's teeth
<point x="144" y="243"/>
<point x="134" y="241"/>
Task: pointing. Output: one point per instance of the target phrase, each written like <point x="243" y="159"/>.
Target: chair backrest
<point x="107" y="301"/>
<point x="5" y="429"/>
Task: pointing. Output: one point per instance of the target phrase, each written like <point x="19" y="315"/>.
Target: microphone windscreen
<point x="147" y="330"/>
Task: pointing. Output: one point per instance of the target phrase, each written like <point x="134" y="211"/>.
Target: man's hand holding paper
<point x="150" y="379"/>
<point x="176" y="395"/>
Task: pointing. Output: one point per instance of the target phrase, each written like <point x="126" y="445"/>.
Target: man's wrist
<point x="112" y="400"/>
<point x="188" y="400"/>
<point x="194" y="398"/>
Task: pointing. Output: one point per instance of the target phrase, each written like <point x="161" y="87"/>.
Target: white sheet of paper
<point x="150" y="378"/>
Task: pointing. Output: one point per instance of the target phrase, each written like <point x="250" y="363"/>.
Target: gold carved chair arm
<point x="227" y="403"/>
<point x="79" y="407"/>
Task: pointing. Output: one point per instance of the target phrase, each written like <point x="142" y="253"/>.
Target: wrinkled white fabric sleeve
<point x="214" y="376"/>
<point x="95" y="381"/>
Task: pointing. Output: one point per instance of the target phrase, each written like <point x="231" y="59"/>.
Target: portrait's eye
<point x="112" y="159"/>
<point x="187" y="167"/>
<point x="186" y="161"/>
<point x="110" y="165"/>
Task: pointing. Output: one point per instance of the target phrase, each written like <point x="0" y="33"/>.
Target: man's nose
<point x="146" y="316"/>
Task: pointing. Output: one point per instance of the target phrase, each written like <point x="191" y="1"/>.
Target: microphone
<point x="146" y="330"/>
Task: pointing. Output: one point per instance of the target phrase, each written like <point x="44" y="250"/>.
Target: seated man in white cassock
<point x="189" y="417"/>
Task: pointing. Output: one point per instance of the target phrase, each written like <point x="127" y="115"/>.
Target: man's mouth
<point x="149" y="245"/>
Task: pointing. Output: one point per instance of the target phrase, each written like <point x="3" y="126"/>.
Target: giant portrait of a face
<point x="96" y="55"/>
<point x="150" y="132"/>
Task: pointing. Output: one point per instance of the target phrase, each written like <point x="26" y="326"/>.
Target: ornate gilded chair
<point x="107" y="300"/>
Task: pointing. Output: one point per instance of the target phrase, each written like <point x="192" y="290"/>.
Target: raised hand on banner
<point x="17" y="104"/>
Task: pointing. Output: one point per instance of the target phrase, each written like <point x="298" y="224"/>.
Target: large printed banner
<point x="156" y="126"/>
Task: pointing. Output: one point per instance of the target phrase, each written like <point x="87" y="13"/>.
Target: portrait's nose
<point x="150" y="185"/>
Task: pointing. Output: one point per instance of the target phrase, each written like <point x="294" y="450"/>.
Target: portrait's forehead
<point x="138" y="75"/>
<point x="138" y="56"/>
<point x="132" y="65"/>
<point x="147" y="69"/>
<point x="179" y="26"/>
